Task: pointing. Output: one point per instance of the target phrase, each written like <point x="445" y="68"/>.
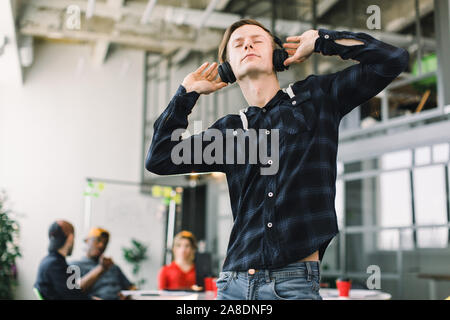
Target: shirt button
<point x="269" y="162"/>
<point x="251" y="271"/>
<point x="263" y="110"/>
<point x="269" y="224"/>
<point x="294" y="102"/>
<point x="270" y="194"/>
<point x="326" y="36"/>
<point x="267" y="131"/>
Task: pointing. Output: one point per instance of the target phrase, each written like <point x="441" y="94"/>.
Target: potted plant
<point x="9" y="249"/>
<point x="135" y="256"/>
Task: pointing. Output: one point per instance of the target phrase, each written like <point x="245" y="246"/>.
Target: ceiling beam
<point x="101" y="47"/>
<point x="322" y="8"/>
<point x="179" y="23"/>
<point x="409" y="17"/>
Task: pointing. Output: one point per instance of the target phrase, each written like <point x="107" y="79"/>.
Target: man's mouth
<point x="249" y="55"/>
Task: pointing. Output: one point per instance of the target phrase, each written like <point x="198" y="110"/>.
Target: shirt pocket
<point x="298" y="114"/>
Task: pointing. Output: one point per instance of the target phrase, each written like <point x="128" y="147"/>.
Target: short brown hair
<point x="223" y="55"/>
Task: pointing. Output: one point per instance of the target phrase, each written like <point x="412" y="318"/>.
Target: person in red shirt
<point x="180" y="274"/>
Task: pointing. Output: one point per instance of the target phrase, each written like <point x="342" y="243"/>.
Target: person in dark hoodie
<point x="55" y="279"/>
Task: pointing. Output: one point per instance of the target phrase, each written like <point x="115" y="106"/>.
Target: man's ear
<point x="70" y="237"/>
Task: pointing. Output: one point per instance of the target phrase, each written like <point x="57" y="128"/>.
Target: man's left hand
<point x="301" y="47"/>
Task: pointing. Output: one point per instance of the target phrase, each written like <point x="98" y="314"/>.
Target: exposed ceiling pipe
<point x="209" y="9"/>
<point x="3" y="42"/>
<point x="90" y="9"/>
<point x="148" y="11"/>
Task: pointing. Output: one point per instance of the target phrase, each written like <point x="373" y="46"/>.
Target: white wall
<point x="68" y="121"/>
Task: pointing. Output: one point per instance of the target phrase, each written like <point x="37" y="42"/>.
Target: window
<point x="430" y="206"/>
<point x="395" y="209"/>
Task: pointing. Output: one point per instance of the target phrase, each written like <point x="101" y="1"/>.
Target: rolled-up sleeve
<point x="379" y="64"/>
<point x="175" y="117"/>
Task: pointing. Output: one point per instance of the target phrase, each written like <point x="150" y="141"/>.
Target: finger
<point x="213" y="75"/>
<point x="290" y="60"/>
<point x="291" y="52"/>
<point x="210" y="70"/>
<point x="218" y="80"/>
<point x="220" y="85"/>
<point x="201" y="68"/>
<point x="291" y="45"/>
<point x="293" y="38"/>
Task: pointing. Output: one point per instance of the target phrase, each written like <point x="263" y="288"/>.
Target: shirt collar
<point x="293" y="115"/>
<point x="280" y="95"/>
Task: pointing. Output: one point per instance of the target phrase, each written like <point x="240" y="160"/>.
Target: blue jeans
<point x="296" y="281"/>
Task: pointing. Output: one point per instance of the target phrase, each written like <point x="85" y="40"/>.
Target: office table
<point x="327" y="294"/>
<point x="355" y="294"/>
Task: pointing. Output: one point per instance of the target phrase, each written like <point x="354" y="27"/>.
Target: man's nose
<point x="248" y="44"/>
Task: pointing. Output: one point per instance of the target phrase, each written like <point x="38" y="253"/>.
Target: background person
<point x="53" y="278"/>
<point x="112" y="280"/>
<point x="180" y="274"/>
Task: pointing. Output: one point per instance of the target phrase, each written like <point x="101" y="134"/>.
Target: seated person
<point x="54" y="282"/>
<point x="180" y="274"/>
<point x="112" y="281"/>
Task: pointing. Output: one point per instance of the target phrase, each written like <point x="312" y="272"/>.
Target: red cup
<point x="210" y="285"/>
<point x="344" y="286"/>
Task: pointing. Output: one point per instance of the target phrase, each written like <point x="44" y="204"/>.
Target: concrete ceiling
<point x="166" y="26"/>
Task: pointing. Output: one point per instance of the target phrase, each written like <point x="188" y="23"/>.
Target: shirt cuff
<point x="325" y="36"/>
<point x="188" y="98"/>
<point x="325" y="42"/>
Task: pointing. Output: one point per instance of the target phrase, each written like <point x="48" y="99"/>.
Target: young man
<point x="54" y="279"/>
<point x="112" y="281"/>
<point x="283" y="221"/>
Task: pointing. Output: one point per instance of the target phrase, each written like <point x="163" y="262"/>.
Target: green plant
<point x="9" y="249"/>
<point x="135" y="256"/>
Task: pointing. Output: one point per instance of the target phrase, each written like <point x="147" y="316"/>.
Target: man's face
<point x="250" y="51"/>
<point x="96" y="246"/>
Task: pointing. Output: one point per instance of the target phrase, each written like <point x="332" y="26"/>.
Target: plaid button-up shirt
<point x="283" y="217"/>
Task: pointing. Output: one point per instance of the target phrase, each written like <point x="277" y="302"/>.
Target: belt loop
<point x="267" y="275"/>
<point x="308" y="268"/>
<point x="233" y="275"/>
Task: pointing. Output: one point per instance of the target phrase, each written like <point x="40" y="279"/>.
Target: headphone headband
<point x="278" y="41"/>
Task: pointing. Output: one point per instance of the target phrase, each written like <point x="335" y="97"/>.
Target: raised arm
<point x="379" y="64"/>
<point x="174" y="120"/>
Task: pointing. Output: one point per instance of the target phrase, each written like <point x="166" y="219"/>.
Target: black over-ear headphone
<point x="279" y="55"/>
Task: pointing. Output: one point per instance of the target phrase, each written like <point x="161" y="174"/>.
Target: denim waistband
<point x="296" y="269"/>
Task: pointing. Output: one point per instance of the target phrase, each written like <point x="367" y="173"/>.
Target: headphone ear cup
<point x="226" y="73"/>
<point x="279" y="55"/>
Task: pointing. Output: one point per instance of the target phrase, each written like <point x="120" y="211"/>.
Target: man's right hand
<point x="105" y="262"/>
<point x="204" y="82"/>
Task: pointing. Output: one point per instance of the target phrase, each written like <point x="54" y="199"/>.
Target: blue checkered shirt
<point x="284" y="217"/>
